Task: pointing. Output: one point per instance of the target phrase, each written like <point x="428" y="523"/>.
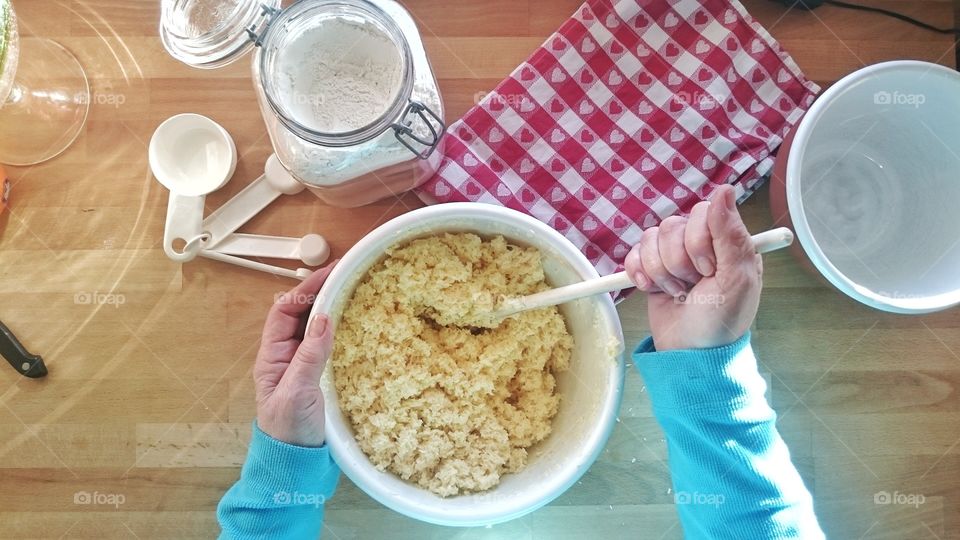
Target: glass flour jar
<point x="344" y="86"/>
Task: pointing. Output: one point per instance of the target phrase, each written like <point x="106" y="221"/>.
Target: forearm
<point x="281" y="491"/>
<point x="731" y="470"/>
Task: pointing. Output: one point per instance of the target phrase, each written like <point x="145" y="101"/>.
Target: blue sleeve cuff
<point x="699" y="378"/>
<point x="289" y="470"/>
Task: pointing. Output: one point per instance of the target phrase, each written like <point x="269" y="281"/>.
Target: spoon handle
<point x="764" y="242"/>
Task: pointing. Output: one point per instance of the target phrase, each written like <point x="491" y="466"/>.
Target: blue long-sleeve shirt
<point x="281" y="491"/>
<point x="732" y="473"/>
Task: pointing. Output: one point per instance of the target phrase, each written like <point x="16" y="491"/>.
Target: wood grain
<point x="151" y="398"/>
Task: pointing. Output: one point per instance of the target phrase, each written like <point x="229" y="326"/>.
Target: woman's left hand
<point x="289" y="365"/>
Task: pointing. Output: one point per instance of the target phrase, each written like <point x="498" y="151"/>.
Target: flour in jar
<point x="340" y="75"/>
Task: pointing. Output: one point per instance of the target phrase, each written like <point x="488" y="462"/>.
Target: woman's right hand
<point x="702" y="275"/>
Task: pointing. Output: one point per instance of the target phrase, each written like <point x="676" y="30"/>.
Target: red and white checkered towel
<point x="634" y="110"/>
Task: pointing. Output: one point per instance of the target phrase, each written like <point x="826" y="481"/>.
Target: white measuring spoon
<point x="299" y="273"/>
<point x="311" y="249"/>
<point x="191" y="155"/>
<point x="764" y="242"/>
<point x="274" y="181"/>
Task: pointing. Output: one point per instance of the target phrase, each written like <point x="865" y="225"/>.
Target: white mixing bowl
<point x="873" y="186"/>
<point x="591" y="389"/>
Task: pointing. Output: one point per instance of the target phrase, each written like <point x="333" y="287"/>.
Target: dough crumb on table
<point x="448" y="407"/>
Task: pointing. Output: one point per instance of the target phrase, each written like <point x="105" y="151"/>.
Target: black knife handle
<point x="26" y="364"/>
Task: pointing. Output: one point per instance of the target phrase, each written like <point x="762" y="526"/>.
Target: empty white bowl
<point x="591" y="389"/>
<point x="872" y="186"/>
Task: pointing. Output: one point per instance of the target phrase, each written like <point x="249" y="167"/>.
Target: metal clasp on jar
<point x="404" y="129"/>
<point x="268" y="15"/>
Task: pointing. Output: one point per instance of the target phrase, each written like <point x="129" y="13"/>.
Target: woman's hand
<point x="702" y="275"/>
<point x="289" y="364"/>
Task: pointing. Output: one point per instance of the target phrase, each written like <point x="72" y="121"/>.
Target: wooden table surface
<point x="149" y="397"/>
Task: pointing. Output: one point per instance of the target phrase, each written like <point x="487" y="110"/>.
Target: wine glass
<point x="44" y="95"/>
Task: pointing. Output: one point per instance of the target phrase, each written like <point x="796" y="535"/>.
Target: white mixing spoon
<point x="764" y="242"/>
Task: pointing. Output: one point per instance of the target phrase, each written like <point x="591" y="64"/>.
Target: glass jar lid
<point x="336" y="73"/>
<point x="213" y="33"/>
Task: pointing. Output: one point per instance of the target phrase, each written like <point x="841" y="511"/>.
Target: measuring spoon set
<point x="193" y="156"/>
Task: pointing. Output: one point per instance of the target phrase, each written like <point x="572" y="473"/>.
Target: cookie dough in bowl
<point x="448" y="406"/>
<point x="588" y="390"/>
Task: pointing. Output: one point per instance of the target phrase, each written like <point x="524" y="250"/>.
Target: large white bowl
<point x="872" y="187"/>
<point x="591" y="390"/>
